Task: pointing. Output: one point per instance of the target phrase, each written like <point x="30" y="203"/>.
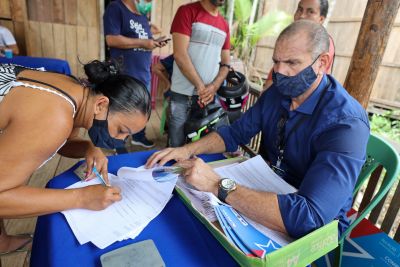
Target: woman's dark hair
<point x="323" y="8"/>
<point x="125" y="93"/>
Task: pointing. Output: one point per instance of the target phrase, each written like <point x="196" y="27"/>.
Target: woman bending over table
<point x="40" y="115"/>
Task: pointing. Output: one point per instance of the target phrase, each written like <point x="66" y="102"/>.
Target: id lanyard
<point x="281" y="140"/>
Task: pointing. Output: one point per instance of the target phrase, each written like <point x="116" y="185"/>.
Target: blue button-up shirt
<point x="322" y="157"/>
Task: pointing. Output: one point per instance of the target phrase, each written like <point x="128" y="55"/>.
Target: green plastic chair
<point x="379" y="152"/>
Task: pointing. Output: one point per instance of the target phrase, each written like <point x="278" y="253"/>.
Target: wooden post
<point x="374" y="33"/>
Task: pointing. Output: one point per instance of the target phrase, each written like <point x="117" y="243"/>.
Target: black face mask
<point x="101" y="137"/>
<point x="217" y="3"/>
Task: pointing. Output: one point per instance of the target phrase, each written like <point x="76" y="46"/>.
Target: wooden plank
<point x="87" y="13"/>
<point x="371" y="187"/>
<point x="71" y="48"/>
<point x="44" y="10"/>
<point x="18" y="8"/>
<point x="392" y="211"/>
<point x="59" y="41"/>
<point x="47" y="38"/>
<point x="82" y="48"/>
<point x="376" y="212"/>
<point x="34" y="43"/>
<point x="19" y="34"/>
<point x="14" y="260"/>
<point x="166" y="20"/>
<point x="58" y="11"/>
<point x="93" y="43"/>
<point x="5" y="9"/>
<point x="71" y="11"/>
<point x="32" y="10"/>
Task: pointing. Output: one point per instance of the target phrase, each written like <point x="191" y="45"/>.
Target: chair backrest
<point x="379" y="153"/>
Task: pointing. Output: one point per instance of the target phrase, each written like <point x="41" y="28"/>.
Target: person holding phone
<point x="129" y="38"/>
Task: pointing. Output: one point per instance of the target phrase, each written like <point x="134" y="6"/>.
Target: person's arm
<point x="123" y="42"/>
<point x="207" y="95"/>
<point x="329" y="182"/>
<point x="211" y="143"/>
<point x="162" y="74"/>
<point x="112" y="30"/>
<point x="261" y="207"/>
<point x="182" y="59"/>
<point x="77" y="147"/>
<point x="227" y="138"/>
<point x="25" y="144"/>
<point x="13" y="47"/>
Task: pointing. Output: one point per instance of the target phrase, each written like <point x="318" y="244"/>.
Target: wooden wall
<point x="65" y="29"/>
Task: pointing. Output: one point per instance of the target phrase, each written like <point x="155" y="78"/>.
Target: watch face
<point x="227" y="184"/>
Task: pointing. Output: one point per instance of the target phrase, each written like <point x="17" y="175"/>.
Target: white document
<point x="142" y="200"/>
<point x="254" y="174"/>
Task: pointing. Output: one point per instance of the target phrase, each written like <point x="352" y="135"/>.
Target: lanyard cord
<point x="281" y="140"/>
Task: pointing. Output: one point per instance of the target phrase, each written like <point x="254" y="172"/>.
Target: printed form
<point x="142" y="200"/>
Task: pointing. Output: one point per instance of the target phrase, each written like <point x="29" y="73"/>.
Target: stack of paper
<point x="143" y="199"/>
<point x="252" y="238"/>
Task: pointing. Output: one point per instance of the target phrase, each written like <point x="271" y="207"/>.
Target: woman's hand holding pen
<point x="96" y="158"/>
<point x="97" y="197"/>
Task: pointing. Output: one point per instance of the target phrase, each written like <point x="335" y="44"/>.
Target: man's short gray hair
<point x="318" y="38"/>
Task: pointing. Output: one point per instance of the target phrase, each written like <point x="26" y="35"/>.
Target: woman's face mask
<point x="294" y="86"/>
<point x="100" y="135"/>
<point x="143" y="7"/>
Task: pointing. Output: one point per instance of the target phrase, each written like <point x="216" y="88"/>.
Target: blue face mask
<point x="101" y="137"/>
<point x="293" y="86"/>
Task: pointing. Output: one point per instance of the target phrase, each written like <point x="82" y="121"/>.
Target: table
<point x="180" y="238"/>
<point x="50" y="64"/>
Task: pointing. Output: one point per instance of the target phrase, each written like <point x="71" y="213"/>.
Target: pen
<point x="98" y="175"/>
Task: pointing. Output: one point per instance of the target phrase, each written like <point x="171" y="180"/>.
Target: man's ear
<point x="101" y="105"/>
<point x="324" y="63"/>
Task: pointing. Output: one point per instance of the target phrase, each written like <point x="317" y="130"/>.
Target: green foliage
<point x="385" y="125"/>
<point x="246" y="33"/>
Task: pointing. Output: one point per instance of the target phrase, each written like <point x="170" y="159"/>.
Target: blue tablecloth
<point x="50" y="64"/>
<point x="180" y="238"/>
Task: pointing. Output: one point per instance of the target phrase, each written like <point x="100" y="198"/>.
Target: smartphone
<point x="162" y="39"/>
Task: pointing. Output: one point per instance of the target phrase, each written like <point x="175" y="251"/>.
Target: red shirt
<point x="194" y="12"/>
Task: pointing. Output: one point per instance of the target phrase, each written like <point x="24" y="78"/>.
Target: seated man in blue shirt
<point x="315" y="138"/>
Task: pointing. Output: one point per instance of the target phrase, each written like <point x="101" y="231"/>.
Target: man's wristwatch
<point x="225" y="186"/>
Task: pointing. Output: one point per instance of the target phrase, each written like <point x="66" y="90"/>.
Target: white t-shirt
<point x="6" y="37"/>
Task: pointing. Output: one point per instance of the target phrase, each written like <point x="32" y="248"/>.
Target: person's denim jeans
<point x="179" y="110"/>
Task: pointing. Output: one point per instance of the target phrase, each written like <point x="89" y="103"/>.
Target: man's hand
<point x="208" y="93"/>
<point x="163" y="156"/>
<point x="200" y="175"/>
<point x="95" y="157"/>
